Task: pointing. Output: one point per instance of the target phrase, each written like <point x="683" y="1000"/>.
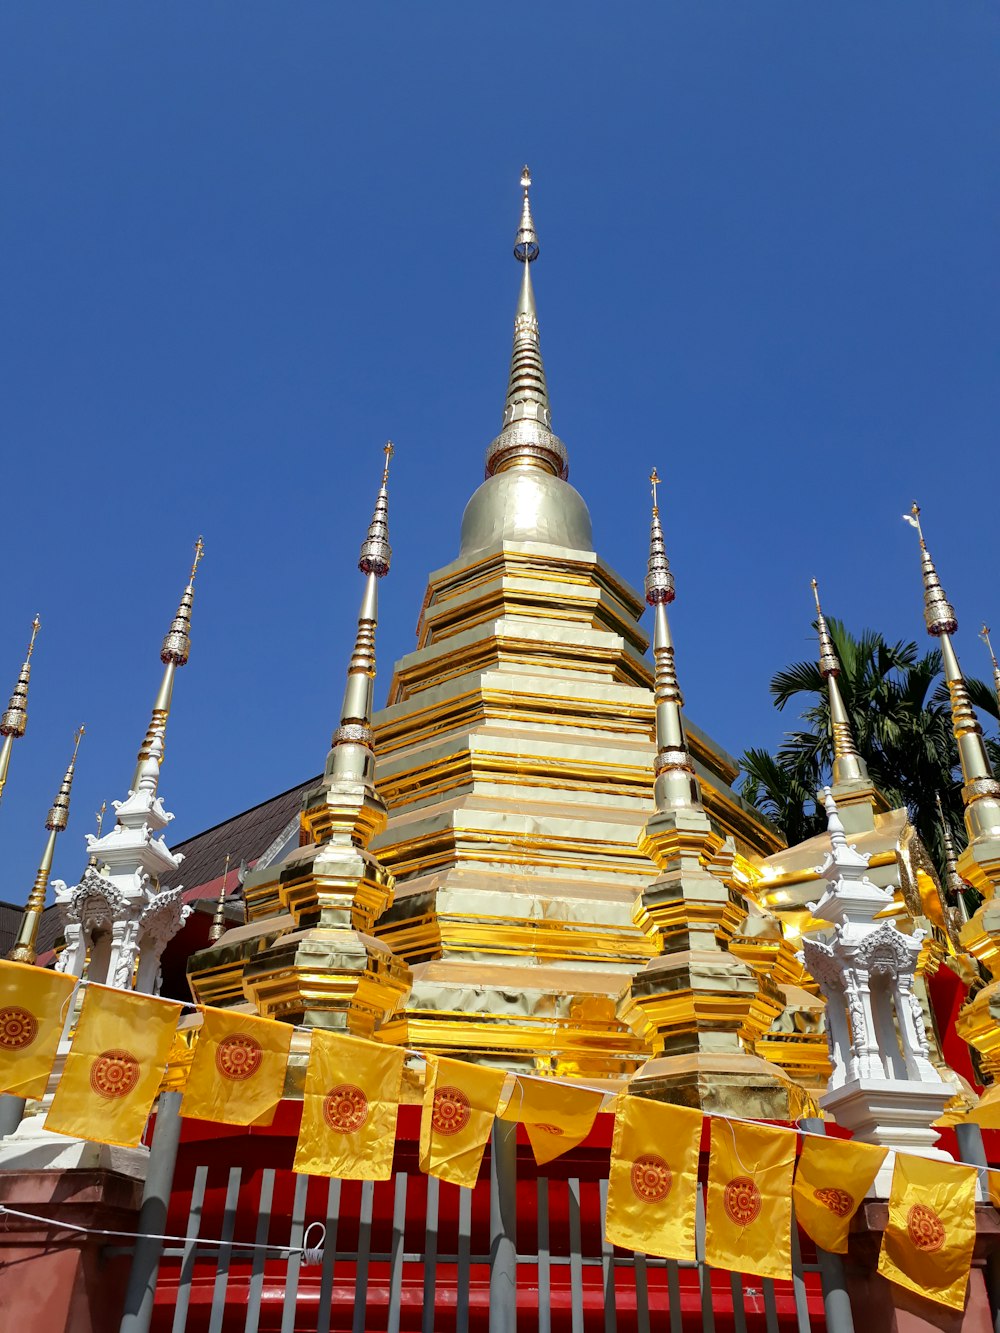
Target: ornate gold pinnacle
<point x="14" y="719"/>
<point x="984" y="634"/>
<point x="218" y="926"/>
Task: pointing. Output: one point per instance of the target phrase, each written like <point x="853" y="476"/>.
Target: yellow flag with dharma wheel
<point x="349" y="1108"/>
<point x="928" y="1240"/>
<point x="32" y="1004"/>
<point x="238" y="1072"/>
<point x="556" y="1116"/>
<point x="748" y="1221"/>
<point x="460" y="1105"/>
<point x="832" y="1178"/>
<point x="114" y="1066"/>
<point x="653" y="1186"/>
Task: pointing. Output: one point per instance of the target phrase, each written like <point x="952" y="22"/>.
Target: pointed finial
<point x="388" y="450"/>
<point x="14" y="719"/>
<point x="218" y="926"/>
<point x="829" y="664"/>
<point x="659" y="585"/>
<point x="526" y="244"/>
<point x="939" y="614"/>
<point x="177" y="644"/>
<point x="100" y="817"/>
<point x="59" y="814"/>
<point x="984" y="634"/>
<point x="36" y="625"/>
<point x="376" y="552"/>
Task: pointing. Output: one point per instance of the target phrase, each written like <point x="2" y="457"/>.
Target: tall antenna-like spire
<point x="174" y="653"/>
<point x="352" y="753"/>
<point x="14" y="719"/>
<point x="676" y="784"/>
<point x="984" y="634"/>
<point x="25" y="946"/>
<point x="980" y="790"/>
<point x="218" y="926"/>
<point x="526" y="437"/>
<point x="848" y="766"/>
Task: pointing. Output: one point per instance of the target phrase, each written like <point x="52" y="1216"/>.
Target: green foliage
<point x="897" y="702"/>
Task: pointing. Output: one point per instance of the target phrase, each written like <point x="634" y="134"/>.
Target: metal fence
<point x="524" y="1250"/>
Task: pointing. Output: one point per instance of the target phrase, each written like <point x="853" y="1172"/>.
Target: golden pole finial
<point x="100" y="817"/>
<point x="815" y="587"/>
<point x="14" y="718"/>
<point x="654" y="481"/>
<point x="525" y="178"/>
<point x="218" y="926"/>
<point x="984" y="634"/>
<point x="36" y="625"/>
<point x="913" y="518"/>
<point x="199" y="551"/>
<point x="389" y="450"/>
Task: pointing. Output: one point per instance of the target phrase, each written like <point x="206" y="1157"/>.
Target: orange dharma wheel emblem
<point x="18" y="1028"/>
<point x="114" y="1073"/>
<point x="345" y="1108"/>
<point x="238" y="1057"/>
<point x="451" y="1112"/>
<point x="741" y="1200"/>
<point x="549" y="1129"/>
<point x="838" y="1201"/>
<point x="925" y="1228"/>
<point x="651" y="1178"/>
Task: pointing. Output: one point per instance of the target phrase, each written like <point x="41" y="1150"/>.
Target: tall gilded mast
<point x="984" y="634"/>
<point x="14" y="719"/>
<point x="25" y="946"/>
<point x="980" y="790"/>
<point x="174" y="653"/>
<point x="526" y="437"/>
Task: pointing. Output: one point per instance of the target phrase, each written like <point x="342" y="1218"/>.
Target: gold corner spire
<point x="526" y="437"/>
<point x="25" y="946"/>
<point x="676" y="784"/>
<point x="980" y="790"/>
<point x="218" y="926"/>
<point x="174" y="653"/>
<point x="352" y="747"/>
<point x="848" y="766"/>
<point x="953" y="880"/>
<point x="14" y="719"/>
<point x="984" y="634"/>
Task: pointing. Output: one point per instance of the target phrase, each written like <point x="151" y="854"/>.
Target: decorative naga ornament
<point x="14" y="719"/>
<point x="698" y="1007"/>
<point x="119" y="919"/>
<point x="307" y="954"/>
<point x="883" y="1086"/>
<point x="25" y="946"/>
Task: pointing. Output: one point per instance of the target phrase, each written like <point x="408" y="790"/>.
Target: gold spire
<point x="984" y="634"/>
<point x="218" y="926"/>
<point x="14" y="719"/>
<point x="526" y="437"/>
<point x="980" y="790"/>
<point x="92" y="860"/>
<point x="953" y="880"/>
<point x="676" y="784"/>
<point x="25" y="950"/>
<point x="848" y="766"/>
<point x="174" y="653"/>
<point x="352" y="752"/>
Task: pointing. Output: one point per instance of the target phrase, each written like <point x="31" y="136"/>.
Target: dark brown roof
<point x="49" y="928"/>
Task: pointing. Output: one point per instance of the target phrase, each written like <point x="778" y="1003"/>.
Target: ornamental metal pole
<point x="503" y="1233"/>
<point x="836" y="1300"/>
<point x="152" y="1216"/>
<point x="970" y="1144"/>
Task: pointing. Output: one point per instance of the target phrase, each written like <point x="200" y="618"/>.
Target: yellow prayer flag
<point x="238" y="1072"/>
<point x="460" y="1104"/>
<point x="832" y="1178"/>
<point x="748" y="1222"/>
<point x="556" y="1116"/>
<point x="928" y="1240"/>
<point x="32" y="1004"/>
<point x="349" y="1109"/>
<point x="114" y="1066"/>
<point x="653" y="1185"/>
<point x="993" y="1187"/>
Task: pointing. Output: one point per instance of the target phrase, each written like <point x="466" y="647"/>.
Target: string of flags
<point x="756" y="1171"/>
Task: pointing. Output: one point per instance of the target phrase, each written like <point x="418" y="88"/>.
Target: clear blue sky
<point x="245" y="242"/>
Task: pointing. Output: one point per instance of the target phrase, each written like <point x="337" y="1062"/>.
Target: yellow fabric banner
<point x="238" y="1072"/>
<point x="748" y="1222"/>
<point x="927" y="1244"/>
<point x="349" y="1109"/>
<point x="460" y="1103"/>
<point x="556" y="1116"/>
<point x="114" y="1066"/>
<point x="832" y="1178"/>
<point x="653" y="1186"/>
<point x="32" y="1003"/>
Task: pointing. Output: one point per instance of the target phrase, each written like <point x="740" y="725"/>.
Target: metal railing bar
<point x="544" y="1258"/>
<point x="363" y="1256"/>
<point x="256" y="1289"/>
<point x="770" y="1306"/>
<point x="575" y="1256"/>
<point x="225" y="1251"/>
<point x="329" y="1255"/>
<point x="427" y="1319"/>
<point x="396" y="1263"/>
<point x="739" y="1297"/>
<point x="295" y="1236"/>
<point x="641" y="1292"/>
<point x="674" y="1293"/>
<point x="464" y="1259"/>
<point x="183" y="1298"/>
<point x="608" y="1267"/>
<point x="803" y="1322"/>
<point x="704" y="1273"/>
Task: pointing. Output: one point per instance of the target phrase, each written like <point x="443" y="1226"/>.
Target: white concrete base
<point x="892" y="1113"/>
<point x="40" y="1150"/>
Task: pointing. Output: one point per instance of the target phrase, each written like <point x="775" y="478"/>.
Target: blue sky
<point x="243" y="243"/>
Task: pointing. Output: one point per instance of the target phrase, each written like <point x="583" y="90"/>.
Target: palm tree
<point x="900" y="717"/>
